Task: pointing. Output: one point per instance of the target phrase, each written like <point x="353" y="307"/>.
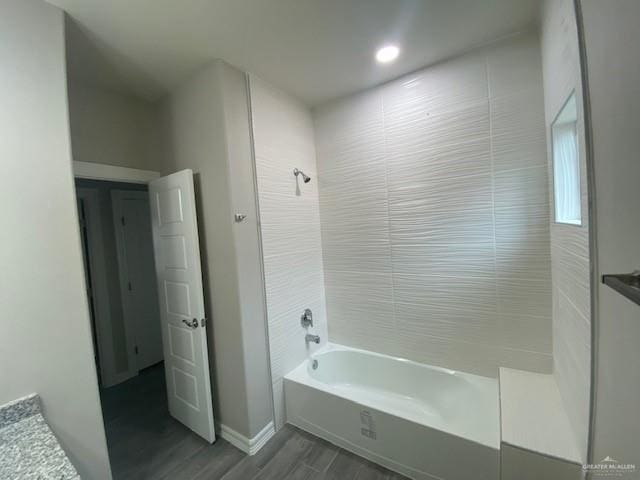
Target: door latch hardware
<point x="239" y="217"/>
<point x="190" y="323"/>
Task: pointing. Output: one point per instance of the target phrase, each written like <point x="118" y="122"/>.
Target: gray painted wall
<point x="112" y="128"/>
<point x="46" y="340"/>
<point x="612" y="38"/>
<point x="206" y="127"/>
<point x="203" y="125"/>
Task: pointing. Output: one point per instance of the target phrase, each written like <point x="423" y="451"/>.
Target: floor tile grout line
<point x="335" y="455"/>
<point x="355" y="476"/>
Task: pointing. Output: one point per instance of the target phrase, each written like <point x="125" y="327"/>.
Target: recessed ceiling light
<point x="387" y="54"/>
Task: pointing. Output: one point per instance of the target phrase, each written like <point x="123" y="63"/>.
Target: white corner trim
<point x="100" y="171"/>
<point x="250" y="446"/>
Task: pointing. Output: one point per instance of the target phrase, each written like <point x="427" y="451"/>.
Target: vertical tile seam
<point x="396" y="343"/>
<point x="493" y="196"/>
<point x="317" y="209"/>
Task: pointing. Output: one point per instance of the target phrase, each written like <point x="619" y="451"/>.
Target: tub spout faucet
<point x="312" y="338"/>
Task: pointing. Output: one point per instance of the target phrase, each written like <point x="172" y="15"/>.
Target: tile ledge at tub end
<point x="533" y="416"/>
<point x="250" y="446"/>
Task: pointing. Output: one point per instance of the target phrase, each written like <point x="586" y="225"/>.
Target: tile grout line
<point x="395" y="345"/>
<point x="493" y="194"/>
<point x="335" y="455"/>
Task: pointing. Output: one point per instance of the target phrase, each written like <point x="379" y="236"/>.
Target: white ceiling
<point x="314" y="49"/>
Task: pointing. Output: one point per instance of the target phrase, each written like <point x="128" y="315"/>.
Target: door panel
<point x="132" y="220"/>
<point x="179" y="275"/>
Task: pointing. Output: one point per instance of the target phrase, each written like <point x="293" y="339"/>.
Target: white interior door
<point x="184" y="329"/>
<point x="138" y="286"/>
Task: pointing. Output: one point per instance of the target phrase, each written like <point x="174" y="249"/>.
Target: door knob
<point x="190" y="323"/>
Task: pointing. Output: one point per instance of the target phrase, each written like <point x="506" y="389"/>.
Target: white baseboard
<point x="250" y="446"/>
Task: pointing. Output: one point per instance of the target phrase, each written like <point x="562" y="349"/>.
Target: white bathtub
<point x="424" y="422"/>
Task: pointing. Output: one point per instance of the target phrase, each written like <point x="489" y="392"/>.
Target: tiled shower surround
<point x="290" y="223"/>
<point x="424" y="232"/>
<point x="569" y="243"/>
<point x="435" y="213"/>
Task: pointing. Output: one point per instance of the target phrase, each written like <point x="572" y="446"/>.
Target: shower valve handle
<point x="307" y="318"/>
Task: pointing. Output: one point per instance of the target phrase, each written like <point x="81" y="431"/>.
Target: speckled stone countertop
<point x="28" y="448"/>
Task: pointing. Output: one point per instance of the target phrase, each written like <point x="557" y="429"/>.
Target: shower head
<point x="305" y="178"/>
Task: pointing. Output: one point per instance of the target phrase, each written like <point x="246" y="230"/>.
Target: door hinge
<point x="129" y="285"/>
<point x="136" y="349"/>
<point x="122" y="221"/>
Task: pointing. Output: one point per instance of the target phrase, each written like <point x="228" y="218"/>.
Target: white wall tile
<point x="452" y="354"/>
<point x="412" y="132"/>
<point x="569" y="243"/>
<point x="470" y="259"/>
<point x="290" y="223"/>
<point x="571" y="299"/>
<point x="525" y="332"/>
<point x="466" y="356"/>
<point x="457" y="211"/>
<point x="522" y="244"/>
<point x="517" y="130"/>
<point x="514" y="66"/>
<point x="571" y="277"/>
<point x="417" y="166"/>
<point x="522" y="190"/>
<point x="522" y="228"/>
<point x="524" y="295"/>
<point x="443" y="295"/>
<point x="361" y="308"/>
<point x="571" y="238"/>
<point x="434" y="213"/>
<point x="456" y="323"/>
<point x="440" y="88"/>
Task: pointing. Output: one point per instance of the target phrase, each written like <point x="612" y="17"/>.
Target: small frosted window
<point x="566" y="165"/>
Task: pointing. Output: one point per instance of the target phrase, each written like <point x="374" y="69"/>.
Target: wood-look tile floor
<point x="145" y="442"/>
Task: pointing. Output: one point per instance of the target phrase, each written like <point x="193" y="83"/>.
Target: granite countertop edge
<point x="28" y="447"/>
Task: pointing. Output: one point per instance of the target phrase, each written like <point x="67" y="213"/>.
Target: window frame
<point x="572" y="95"/>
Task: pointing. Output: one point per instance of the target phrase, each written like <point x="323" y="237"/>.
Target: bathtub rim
<point x="301" y="375"/>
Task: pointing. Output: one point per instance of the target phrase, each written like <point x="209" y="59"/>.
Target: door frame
<point x="112" y="173"/>
<point x="101" y="299"/>
<point x="107" y="173"/>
